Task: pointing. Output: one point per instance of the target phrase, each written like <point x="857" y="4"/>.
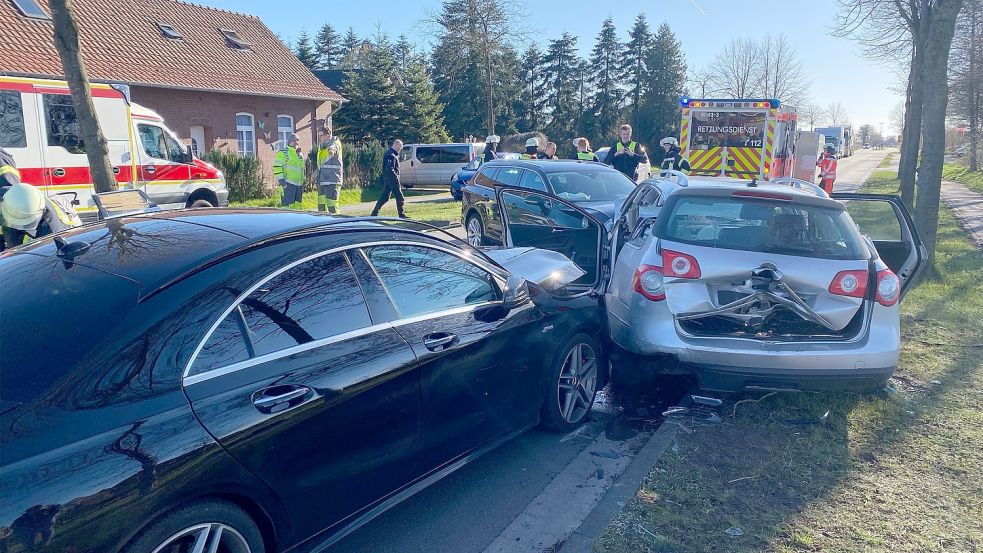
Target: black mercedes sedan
<point x="260" y="381"/>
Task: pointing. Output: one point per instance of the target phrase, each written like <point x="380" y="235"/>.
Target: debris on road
<point x="734" y="531"/>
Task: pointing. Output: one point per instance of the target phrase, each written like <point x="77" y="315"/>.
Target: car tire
<point x="209" y="520"/>
<point x="475" y="230"/>
<point x="200" y="203"/>
<point x="573" y="381"/>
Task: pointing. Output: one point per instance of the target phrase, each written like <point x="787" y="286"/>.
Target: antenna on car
<point x="753" y="183"/>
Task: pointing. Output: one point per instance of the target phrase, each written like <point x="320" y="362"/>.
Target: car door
<point x="452" y="158"/>
<point x="302" y="387"/>
<point x="407" y="166"/>
<point x="427" y="165"/>
<point x="164" y="173"/>
<point x="885" y="220"/>
<point x="545" y="221"/>
<point x="478" y="364"/>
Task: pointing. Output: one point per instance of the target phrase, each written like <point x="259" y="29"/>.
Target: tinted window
<point x="485" y="177"/>
<point x="428" y="154"/>
<point x="590" y="186"/>
<point x="508" y="176"/>
<point x="474" y="163"/>
<point x="423" y="280"/>
<point x="63" y="126"/>
<point x="455" y="154"/>
<point x="533" y="181"/>
<point x="406" y="153"/>
<point x="158" y="144"/>
<point x="11" y="120"/>
<point x="314" y="300"/>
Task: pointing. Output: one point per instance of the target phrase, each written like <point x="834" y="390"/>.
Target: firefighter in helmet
<point x="673" y="159"/>
<point x="532" y="149"/>
<point x="491" y="145"/>
<point x="827" y="168"/>
<point x="330" y="170"/>
<point x="26" y="214"/>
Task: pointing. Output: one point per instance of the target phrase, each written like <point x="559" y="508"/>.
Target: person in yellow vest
<point x="532" y="149"/>
<point x="330" y="170"/>
<point x="626" y="154"/>
<point x="9" y="175"/>
<point x="288" y="168"/>
<point x="674" y="158"/>
<point x="584" y="153"/>
<point x="26" y="214"/>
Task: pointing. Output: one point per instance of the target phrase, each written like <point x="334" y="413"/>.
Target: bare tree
<point x="701" y="83"/>
<point x="779" y="71"/>
<point x="966" y="75"/>
<point x="897" y="117"/>
<point x="810" y="112"/>
<point x="735" y="69"/>
<point x="834" y="114"/>
<point x="67" y="43"/>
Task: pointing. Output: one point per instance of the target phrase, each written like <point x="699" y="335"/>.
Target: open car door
<point x="541" y="220"/>
<point x="884" y="219"/>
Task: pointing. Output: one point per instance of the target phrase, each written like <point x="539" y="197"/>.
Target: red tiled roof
<point x="121" y="42"/>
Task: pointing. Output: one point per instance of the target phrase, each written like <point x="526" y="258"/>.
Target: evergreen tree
<point x="634" y="64"/>
<point x="659" y="110"/>
<point x="457" y="79"/>
<point x="421" y="116"/>
<point x="305" y="51"/>
<point x="530" y="100"/>
<point x="507" y="69"/>
<point x="561" y="75"/>
<point x="351" y="46"/>
<point x="328" y="47"/>
<point x="604" y="78"/>
<point x="373" y="108"/>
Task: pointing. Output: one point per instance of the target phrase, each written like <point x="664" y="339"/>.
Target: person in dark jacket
<point x="674" y="157"/>
<point x="491" y="144"/>
<point x="550" y="151"/>
<point x="390" y="180"/>
<point x="626" y="154"/>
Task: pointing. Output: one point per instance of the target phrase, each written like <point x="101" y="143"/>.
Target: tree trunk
<point x="913" y="124"/>
<point x="96" y="147"/>
<point x="975" y="76"/>
<point x="904" y="117"/>
<point x="936" y="87"/>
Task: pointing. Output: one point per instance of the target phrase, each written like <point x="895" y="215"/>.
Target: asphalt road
<point x="853" y="171"/>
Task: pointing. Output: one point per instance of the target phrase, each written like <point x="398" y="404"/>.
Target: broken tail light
<point x="680" y="265"/>
<point x="849" y="283"/>
<point x="888" y="288"/>
<point x="647" y="281"/>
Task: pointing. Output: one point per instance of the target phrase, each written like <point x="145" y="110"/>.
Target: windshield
<point x="590" y="186"/>
<point x="764" y="226"/>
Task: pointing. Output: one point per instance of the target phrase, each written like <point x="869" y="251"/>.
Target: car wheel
<point x="201" y="203"/>
<point x="476" y="230"/>
<point x="200" y="526"/>
<point x="573" y="384"/>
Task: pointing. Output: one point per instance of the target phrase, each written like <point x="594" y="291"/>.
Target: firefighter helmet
<point x="23" y="206"/>
<point x="668" y="140"/>
<point x="492" y="139"/>
<point x="532" y="142"/>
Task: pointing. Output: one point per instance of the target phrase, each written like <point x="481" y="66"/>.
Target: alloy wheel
<point x="474" y="232"/>
<point x="205" y="538"/>
<point x="577" y="383"/>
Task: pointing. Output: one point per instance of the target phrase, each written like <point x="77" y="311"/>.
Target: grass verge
<point x="898" y="470"/>
<point x="960" y="173"/>
<point x="886" y="162"/>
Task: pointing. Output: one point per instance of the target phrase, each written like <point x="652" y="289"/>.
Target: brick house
<point x="220" y="79"/>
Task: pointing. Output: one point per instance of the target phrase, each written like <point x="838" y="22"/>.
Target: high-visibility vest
<point x="289" y="166"/>
<point x="587" y="156"/>
<point x="330" y="164"/>
<point x="631" y="146"/>
<point x="528" y="156"/>
<point x="5" y="169"/>
<point x="827" y="167"/>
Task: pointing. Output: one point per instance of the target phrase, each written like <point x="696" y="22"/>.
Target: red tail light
<point x="680" y="265"/>
<point x="647" y="281"/>
<point x="888" y="288"/>
<point x="849" y="283"/>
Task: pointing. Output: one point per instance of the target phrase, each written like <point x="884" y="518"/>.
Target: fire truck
<point x="738" y="138"/>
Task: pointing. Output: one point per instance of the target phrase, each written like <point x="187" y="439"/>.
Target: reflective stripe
<point x="4" y="169"/>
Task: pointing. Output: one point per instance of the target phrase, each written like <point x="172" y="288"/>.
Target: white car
<point x="643" y="172"/>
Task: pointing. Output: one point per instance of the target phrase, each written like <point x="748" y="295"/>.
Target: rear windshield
<point x="763" y="226"/>
<point x="590" y="186"/>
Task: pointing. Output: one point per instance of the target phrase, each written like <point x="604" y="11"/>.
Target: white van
<point x="434" y="164"/>
<point x="39" y="127"/>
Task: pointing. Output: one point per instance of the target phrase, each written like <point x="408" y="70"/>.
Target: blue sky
<point x="838" y="71"/>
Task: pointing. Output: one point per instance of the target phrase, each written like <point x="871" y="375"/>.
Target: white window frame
<point x="252" y="134"/>
<point x="282" y="132"/>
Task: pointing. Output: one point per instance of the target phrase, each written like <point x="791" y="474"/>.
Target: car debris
<point x="549" y="269"/>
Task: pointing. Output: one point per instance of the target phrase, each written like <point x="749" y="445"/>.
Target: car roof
<point x="549" y="165"/>
<point x="720" y="186"/>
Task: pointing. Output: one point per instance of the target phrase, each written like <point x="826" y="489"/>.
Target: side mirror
<point x="516" y="293"/>
<point x="189" y="157"/>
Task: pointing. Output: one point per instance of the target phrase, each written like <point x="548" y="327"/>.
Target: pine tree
<point x="351" y="47"/>
<point x="305" y="52"/>
<point x="604" y="77"/>
<point x="530" y="100"/>
<point x="633" y="64"/>
<point x="507" y="69"/>
<point x="561" y="75"/>
<point x="328" y="47"/>
<point x="659" y="110"/>
<point x="421" y="115"/>
<point x="373" y="108"/>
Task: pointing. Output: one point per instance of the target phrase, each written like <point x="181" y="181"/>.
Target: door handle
<point x="412" y="163"/>
<point x="151" y="169"/>
<point x="267" y="399"/>
<point x="557" y="229"/>
<point x="439" y="340"/>
<point x="59" y="172"/>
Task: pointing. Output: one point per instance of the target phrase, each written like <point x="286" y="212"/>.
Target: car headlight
<point x="454" y="178"/>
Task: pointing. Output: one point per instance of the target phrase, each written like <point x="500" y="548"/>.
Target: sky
<point x="837" y="70"/>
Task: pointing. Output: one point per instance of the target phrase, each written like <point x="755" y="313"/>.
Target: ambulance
<point x="39" y="128"/>
<point x="738" y="138"/>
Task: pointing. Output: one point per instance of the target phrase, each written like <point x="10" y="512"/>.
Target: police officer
<point x="27" y="214"/>
<point x="532" y="149"/>
<point x="584" y="153"/>
<point x="674" y="159"/>
<point x="390" y="180"/>
<point x="491" y="146"/>
<point x="288" y="168"/>
<point x="626" y="154"/>
<point x="330" y="171"/>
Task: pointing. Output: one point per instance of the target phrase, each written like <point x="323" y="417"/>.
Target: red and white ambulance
<point x="39" y="127"/>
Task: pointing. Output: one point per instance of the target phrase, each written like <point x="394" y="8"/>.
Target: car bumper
<point x="649" y="331"/>
<point x="223" y="197"/>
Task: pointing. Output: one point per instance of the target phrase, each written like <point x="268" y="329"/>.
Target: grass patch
<point x="960" y="173"/>
<point x="898" y="470"/>
<point x="886" y="162"/>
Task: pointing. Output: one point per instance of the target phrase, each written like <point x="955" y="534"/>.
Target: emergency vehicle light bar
<point x="729" y="103"/>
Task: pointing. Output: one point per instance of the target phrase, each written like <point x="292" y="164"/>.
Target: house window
<point x="169" y="31"/>
<point x="246" y="134"/>
<point x="233" y="39"/>
<point x="284" y="128"/>
<point x="30" y="8"/>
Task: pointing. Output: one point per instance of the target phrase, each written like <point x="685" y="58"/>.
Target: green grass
<point x="893" y="471"/>
<point x="960" y="173"/>
<point x="886" y="162"/>
<point x="347" y="196"/>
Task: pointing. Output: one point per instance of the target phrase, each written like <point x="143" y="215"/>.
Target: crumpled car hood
<point x="549" y="269"/>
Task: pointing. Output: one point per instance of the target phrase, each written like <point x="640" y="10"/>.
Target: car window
<point x="473" y="164"/>
<point x="425" y="280"/>
<point x="508" y="176"/>
<point x="12" y="133"/>
<point x="406" y="153"/>
<point x="63" y="127"/>
<point x="428" y="154"/>
<point x="317" y="299"/>
<point x="485" y="177"/>
<point x="527" y="208"/>
<point x="594" y="185"/>
<point x="455" y="154"/>
<point x="533" y="181"/>
<point x="158" y="144"/>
